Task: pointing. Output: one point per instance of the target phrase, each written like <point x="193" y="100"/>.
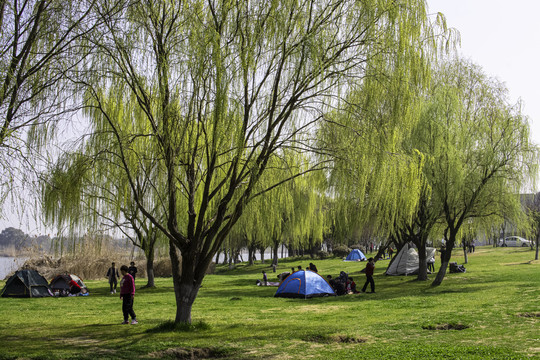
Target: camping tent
<point x="60" y="284"/>
<point x="406" y="261"/>
<point x="304" y="284"/>
<point x="356" y="255"/>
<point x="26" y="283"/>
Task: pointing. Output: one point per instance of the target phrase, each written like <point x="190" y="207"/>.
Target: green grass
<point x="497" y="301"/>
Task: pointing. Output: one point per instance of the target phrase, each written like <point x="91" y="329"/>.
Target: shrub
<point x="321" y="254"/>
<point x="341" y="250"/>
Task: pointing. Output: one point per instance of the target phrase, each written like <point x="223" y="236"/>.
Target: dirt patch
<point x="348" y="339"/>
<point x="328" y="339"/>
<point x="530" y="314"/>
<point x="445" y="327"/>
<point x="192" y="354"/>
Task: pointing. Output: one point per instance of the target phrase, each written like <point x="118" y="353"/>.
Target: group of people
<point x="344" y="284"/>
<point x="283" y="275"/>
<point x="127" y="288"/>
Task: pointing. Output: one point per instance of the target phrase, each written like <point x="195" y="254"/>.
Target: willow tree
<point x="220" y="88"/>
<point x="86" y="190"/>
<point x="40" y="47"/>
<point x="480" y="150"/>
<point x="289" y="214"/>
<point x="533" y="211"/>
<point x="376" y="176"/>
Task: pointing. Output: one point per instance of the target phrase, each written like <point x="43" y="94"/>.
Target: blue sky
<point x="503" y="37"/>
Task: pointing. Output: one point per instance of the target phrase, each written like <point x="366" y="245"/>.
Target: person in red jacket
<point x="370" y="266"/>
<point x="74" y="288"/>
<point x="127" y="293"/>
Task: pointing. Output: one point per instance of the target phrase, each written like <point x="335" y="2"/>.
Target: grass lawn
<point x="496" y="303"/>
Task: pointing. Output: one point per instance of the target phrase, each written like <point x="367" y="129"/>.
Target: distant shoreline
<point x="10" y="254"/>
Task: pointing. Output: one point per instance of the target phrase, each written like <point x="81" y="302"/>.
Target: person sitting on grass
<point x="127" y="293"/>
<point x="74" y="288"/>
<point x="337" y="285"/>
<point x="351" y="286"/>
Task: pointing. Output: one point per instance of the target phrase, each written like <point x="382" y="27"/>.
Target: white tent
<point x="406" y="261"/>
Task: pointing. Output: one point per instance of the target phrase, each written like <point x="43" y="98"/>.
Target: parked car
<point x="514" y="241"/>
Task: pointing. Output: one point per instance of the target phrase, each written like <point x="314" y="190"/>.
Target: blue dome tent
<point x="304" y="284"/>
<point x="356" y="255"/>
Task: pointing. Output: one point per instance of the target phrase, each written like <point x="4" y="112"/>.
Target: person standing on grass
<point x="127" y="293"/>
<point x="132" y="269"/>
<point x="370" y="266"/>
<point x="390" y="252"/>
<point x="113" y="276"/>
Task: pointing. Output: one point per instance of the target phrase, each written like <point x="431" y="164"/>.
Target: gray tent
<point x="26" y="283"/>
<point x="406" y="261"/>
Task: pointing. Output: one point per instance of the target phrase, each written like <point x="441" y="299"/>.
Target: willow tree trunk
<point x="150" y="283"/>
<point x="380" y="253"/>
<point x="262" y="255"/>
<point x="225" y="257"/>
<point x="422" y="261"/>
<point x="231" y="259"/>
<point x="537" y="243"/>
<point x="465" y="255"/>
<point x="251" y="255"/>
<point x="291" y="250"/>
<point x="445" y="260"/>
<point x="186" y="285"/>
<point x="275" y="252"/>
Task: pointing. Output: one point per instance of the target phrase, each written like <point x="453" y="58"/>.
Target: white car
<point x="514" y="241"/>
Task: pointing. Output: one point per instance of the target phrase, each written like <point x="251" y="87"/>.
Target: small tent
<point x="26" y="283"/>
<point x="355" y="255"/>
<point x="304" y="284"/>
<point x="60" y="284"/>
<point x="406" y="261"/>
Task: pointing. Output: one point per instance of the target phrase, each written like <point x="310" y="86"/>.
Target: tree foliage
<point x="480" y="153"/>
<point x="213" y="91"/>
<point x="41" y="44"/>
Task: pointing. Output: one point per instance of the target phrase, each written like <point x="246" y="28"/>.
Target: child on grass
<point x="127" y="293"/>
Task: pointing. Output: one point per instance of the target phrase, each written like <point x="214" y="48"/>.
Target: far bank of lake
<point x="9" y="264"/>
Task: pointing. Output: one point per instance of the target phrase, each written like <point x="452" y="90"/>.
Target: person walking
<point x="127" y="293"/>
<point x="132" y="270"/>
<point x="113" y="276"/>
<point x="370" y="267"/>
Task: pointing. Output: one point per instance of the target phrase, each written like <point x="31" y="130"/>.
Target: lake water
<point x="9" y="264"/>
